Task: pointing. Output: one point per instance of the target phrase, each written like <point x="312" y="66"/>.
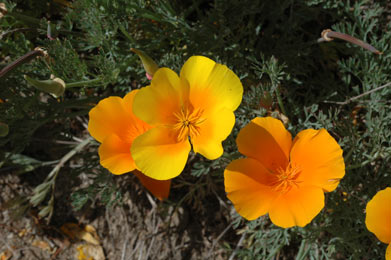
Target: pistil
<point x="188" y="123"/>
<point x="286" y="178"/>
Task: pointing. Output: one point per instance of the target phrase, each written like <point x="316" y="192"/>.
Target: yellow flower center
<point x="286" y="178"/>
<point x="188" y="122"/>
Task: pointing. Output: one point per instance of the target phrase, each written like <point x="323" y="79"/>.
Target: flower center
<point x="188" y="122"/>
<point x="286" y="179"/>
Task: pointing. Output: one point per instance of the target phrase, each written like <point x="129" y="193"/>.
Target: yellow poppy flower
<point x="113" y="124"/>
<point x="378" y="218"/>
<point x="283" y="178"/>
<point x="198" y="105"/>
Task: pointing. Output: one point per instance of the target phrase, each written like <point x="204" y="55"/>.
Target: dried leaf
<point x="5" y="255"/>
<point x="90" y="252"/>
<point x="75" y="232"/>
<point x="42" y="244"/>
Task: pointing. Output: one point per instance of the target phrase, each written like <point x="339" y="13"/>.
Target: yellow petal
<point x="378" y="218"/>
<point x="212" y="131"/>
<point x="159" y="155"/>
<point x="266" y="140"/>
<point x="160" y="189"/>
<point x="156" y="104"/>
<point x="297" y="207"/>
<point x="115" y="155"/>
<point x="211" y="84"/>
<point x="245" y="183"/>
<point x="319" y="158"/>
<point x="388" y="252"/>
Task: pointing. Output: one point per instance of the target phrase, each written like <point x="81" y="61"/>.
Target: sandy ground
<point x="140" y="228"/>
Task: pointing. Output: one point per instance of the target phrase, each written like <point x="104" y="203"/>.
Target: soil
<point x="141" y="227"/>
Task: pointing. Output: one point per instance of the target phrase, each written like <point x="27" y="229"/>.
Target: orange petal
<point x="297" y="207"/>
<point x="160" y="189"/>
<point x="115" y="155"/>
<point x="266" y="140"/>
<point x="215" y="129"/>
<point x="378" y="218"/>
<point x="319" y="157"/>
<point x="245" y="183"/>
<point x="156" y="104"/>
<point x="138" y="126"/>
<point x="159" y="155"/>
<point x="109" y="117"/>
<point x="113" y="115"/>
<point x="211" y="84"/>
<point x="388" y="252"/>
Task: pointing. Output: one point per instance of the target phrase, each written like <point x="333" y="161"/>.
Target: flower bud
<point x="266" y="100"/>
<point x="54" y="86"/>
<point x="4" y="129"/>
<point x="149" y="65"/>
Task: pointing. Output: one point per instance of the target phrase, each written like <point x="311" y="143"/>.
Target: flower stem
<point x="83" y="83"/>
<point x="279" y="100"/>
<point x="25" y="19"/>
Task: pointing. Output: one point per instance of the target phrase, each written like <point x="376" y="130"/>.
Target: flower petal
<point x="156" y="104"/>
<point x="378" y="218"/>
<point x="160" y="189"/>
<point x="159" y="155"/>
<point x="388" y="252"/>
<point x="114" y="115"/>
<point x="115" y="155"/>
<point x="245" y="183"/>
<point x="217" y="126"/>
<point x="319" y="157"/>
<point x="109" y="117"/>
<point x="266" y="140"/>
<point x="211" y="84"/>
<point x="297" y="207"/>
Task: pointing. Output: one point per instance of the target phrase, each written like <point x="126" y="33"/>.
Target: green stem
<point x="279" y="99"/>
<point x="83" y="83"/>
<point x="25" y="19"/>
<point x="124" y="32"/>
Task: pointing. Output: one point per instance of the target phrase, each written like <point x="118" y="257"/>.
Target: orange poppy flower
<point x="378" y="218"/>
<point x="113" y="124"/>
<point x="283" y="178"/>
<point x="198" y="105"/>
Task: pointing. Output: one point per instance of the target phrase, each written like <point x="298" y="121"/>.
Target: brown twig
<point x="361" y="95"/>
<point x="329" y="35"/>
<point x="238" y="245"/>
<point x="6" y="33"/>
<point x="21" y="60"/>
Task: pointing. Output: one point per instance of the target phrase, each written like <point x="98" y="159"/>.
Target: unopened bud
<point x="54" y="86"/>
<point x="149" y="65"/>
<point x="4" y="129"/>
<point x="266" y="100"/>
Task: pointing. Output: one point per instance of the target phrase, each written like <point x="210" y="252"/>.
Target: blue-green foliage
<point x="271" y="45"/>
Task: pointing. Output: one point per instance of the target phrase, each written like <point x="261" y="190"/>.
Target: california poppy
<point x="378" y="217"/>
<point x="114" y="125"/>
<point x="194" y="109"/>
<point x="284" y="178"/>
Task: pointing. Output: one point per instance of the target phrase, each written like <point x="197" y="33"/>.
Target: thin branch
<point x="360" y="96"/>
<point x="237" y="246"/>
<point x="69" y="155"/>
<point x="210" y="254"/>
<point x="23" y="59"/>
